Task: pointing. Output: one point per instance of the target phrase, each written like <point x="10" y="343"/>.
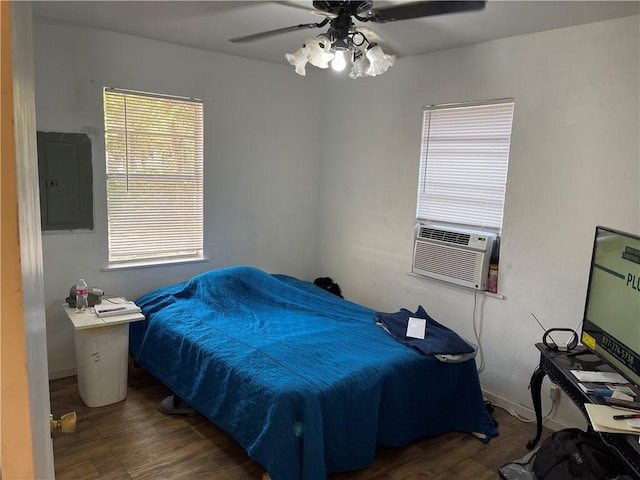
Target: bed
<point x="304" y="380"/>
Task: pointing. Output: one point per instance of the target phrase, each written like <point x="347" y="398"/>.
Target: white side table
<point x="102" y="353"/>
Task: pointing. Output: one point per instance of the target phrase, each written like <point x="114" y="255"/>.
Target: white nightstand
<point x="102" y="353"/>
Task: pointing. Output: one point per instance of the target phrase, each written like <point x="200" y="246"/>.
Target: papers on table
<point x="601" y="418"/>
<point x="597" y="389"/>
<point x="115" y="306"/>
<point x="601" y="377"/>
<point x="623" y="392"/>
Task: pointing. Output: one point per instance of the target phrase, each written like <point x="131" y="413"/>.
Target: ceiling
<point x="209" y="25"/>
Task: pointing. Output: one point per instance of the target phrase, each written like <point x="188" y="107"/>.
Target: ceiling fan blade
<point x="307" y="9"/>
<point x="278" y="31"/>
<point x="407" y="11"/>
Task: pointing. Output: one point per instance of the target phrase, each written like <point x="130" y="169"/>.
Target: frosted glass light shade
<point x="358" y="67"/>
<point x="319" y="52"/>
<point x="379" y="62"/>
<point x="299" y="60"/>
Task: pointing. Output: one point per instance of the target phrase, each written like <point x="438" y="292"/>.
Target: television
<point x="611" y="322"/>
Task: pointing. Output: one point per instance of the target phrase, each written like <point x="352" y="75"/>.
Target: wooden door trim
<point x="15" y="419"/>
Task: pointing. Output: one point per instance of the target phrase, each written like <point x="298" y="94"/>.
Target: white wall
<point x="261" y="188"/>
<point x="574" y="163"/>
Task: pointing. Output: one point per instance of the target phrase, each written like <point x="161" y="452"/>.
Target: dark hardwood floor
<point x="133" y="440"/>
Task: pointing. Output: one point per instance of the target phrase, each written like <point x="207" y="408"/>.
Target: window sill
<point x="166" y="263"/>
<point x="491" y="294"/>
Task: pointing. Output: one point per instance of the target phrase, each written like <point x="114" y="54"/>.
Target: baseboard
<point x="67" y="372"/>
<point x="522" y="412"/>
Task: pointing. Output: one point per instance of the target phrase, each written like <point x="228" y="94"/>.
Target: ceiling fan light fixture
<point x="319" y="49"/>
<point x="366" y="59"/>
<point x="358" y="66"/>
<point x="299" y="60"/>
<point x="340" y="44"/>
<point x="379" y="62"/>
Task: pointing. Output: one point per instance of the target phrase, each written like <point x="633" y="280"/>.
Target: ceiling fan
<point x="345" y="41"/>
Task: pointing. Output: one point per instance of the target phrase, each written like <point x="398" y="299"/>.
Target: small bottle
<point x="82" y="296"/>
<point x="492" y="284"/>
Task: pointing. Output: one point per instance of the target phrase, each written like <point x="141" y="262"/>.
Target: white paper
<point x="116" y="300"/>
<point x="623" y="390"/>
<point x="622" y="396"/>
<point x="417" y="327"/>
<point x="601" y="419"/>
<point x="604" y="377"/>
<point x="633" y="423"/>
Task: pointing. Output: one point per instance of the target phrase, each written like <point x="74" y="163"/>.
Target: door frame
<point x="26" y="445"/>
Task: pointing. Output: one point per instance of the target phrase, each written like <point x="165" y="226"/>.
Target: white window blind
<point x="463" y="163"/>
<point x="154" y="160"/>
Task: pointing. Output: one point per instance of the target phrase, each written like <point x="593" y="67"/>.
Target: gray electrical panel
<point x="66" y="181"/>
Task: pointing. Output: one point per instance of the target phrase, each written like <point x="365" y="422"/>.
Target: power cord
<point x="513" y="413"/>
<point x="476" y="332"/>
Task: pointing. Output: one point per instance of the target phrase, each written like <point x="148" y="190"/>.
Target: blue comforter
<point x="302" y="379"/>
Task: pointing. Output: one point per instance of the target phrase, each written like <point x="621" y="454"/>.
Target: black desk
<point x="557" y="366"/>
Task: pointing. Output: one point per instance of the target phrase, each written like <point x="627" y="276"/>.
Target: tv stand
<point x="557" y="366"/>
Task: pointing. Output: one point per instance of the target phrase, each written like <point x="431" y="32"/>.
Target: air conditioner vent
<point x="445" y="235"/>
<point x="454" y="255"/>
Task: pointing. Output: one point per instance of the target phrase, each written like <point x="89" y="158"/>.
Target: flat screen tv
<point x="611" y="326"/>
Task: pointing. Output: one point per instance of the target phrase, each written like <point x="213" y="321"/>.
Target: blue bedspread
<point x="302" y="379"/>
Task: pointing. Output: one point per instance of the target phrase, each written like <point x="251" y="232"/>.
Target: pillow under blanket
<point x="439" y="340"/>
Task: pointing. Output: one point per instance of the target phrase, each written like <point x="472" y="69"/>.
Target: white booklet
<point x="107" y="309"/>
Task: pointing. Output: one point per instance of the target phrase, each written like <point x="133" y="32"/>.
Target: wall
<point x="261" y="189"/>
<point x="349" y="204"/>
<point x="574" y="163"/>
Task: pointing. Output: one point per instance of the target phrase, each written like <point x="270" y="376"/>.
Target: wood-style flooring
<point x="133" y="440"/>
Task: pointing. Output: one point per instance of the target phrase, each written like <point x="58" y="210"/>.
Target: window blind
<point x="463" y="163"/>
<point x="154" y="171"/>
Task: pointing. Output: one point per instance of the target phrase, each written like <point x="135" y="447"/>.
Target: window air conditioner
<point x="454" y="255"/>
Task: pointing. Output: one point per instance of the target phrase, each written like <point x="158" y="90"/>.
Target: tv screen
<point x="611" y="326"/>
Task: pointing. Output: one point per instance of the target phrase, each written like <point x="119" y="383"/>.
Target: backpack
<point x="328" y="284"/>
<point x="572" y="454"/>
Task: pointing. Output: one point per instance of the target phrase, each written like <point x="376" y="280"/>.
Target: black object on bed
<point x="304" y="380"/>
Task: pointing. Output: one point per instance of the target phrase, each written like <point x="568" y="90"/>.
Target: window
<point x="154" y="161"/>
<point x="463" y="163"/>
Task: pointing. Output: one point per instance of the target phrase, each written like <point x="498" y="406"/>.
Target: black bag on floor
<point x="572" y="454"/>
